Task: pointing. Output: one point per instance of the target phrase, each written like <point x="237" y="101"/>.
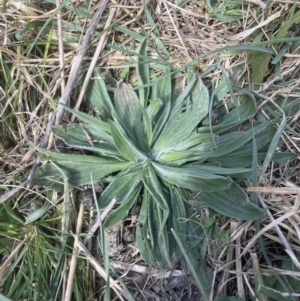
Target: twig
<point x="60" y="47"/>
<point x="145" y="270"/>
<point x="73" y="263"/>
<point x="75" y="68"/>
<point x="276" y="190"/>
<point x="277" y="78"/>
<point x="113" y="283"/>
<point x="102" y="217"/>
<point x="99" y="49"/>
<point x="284" y="241"/>
<point x="258" y="2"/>
<point x="176" y="29"/>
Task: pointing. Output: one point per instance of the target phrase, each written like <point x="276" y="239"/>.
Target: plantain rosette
<point x="154" y="147"/>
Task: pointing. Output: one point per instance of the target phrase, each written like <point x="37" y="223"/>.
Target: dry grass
<point x="35" y="75"/>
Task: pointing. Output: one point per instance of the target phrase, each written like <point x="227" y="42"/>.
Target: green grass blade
<point x="48" y="22"/>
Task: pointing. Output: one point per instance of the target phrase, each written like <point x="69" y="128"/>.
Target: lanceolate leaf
<point x="143" y="73"/>
<point x="163" y="242"/>
<point x="125" y="182"/>
<point x="193" y="140"/>
<point x="129" y="113"/>
<point x="262" y="139"/>
<point x="178" y="212"/>
<point x="179" y="101"/>
<point x="246" y="110"/>
<point x="97" y="123"/>
<point x="236" y="143"/>
<point x="154" y="108"/>
<point x="83" y="132"/>
<point x="157" y="234"/>
<point x="244" y="173"/>
<point x="192" y="178"/>
<point x="231" y="162"/>
<point x="180" y="125"/>
<point x="78" y="171"/>
<point x="142" y="239"/>
<point x="153" y="185"/>
<point x="122" y="211"/>
<point x="147" y="129"/>
<point x="87" y="138"/>
<point x="233" y="202"/>
<point x="99" y="97"/>
<point x="123" y="143"/>
<point x="177" y="158"/>
<point x="162" y="90"/>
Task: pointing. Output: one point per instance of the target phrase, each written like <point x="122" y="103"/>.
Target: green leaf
<point x="232" y="202"/>
<point x="191" y="267"/>
<point x="226" y="148"/>
<point x="99" y="125"/>
<point x="158" y="234"/>
<point x="236" y="143"/>
<point x="123" y="143"/>
<point x="88" y="138"/>
<point x="130" y="114"/>
<point x="258" y="62"/>
<point x="143" y="73"/>
<point x="244" y="173"/>
<point x="192" y="177"/>
<point x="153" y="185"/>
<point x="141" y="237"/>
<point x="163" y="91"/>
<point x="97" y="94"/>
<point x="178" y="158"/>
<point x="178" y="212"/>
<point x="122" y="210"/>
<point x="280" y="158"/>
<point x="181" y="124"/>
<point x="147" y="129"/>
<point x="78" y="169"/>
<point x="177" y="104"/>
<point x="245" y="110"/>
<point x="154" y="107"/>
<point x="3" y="298"/>
<point x="263" y="138"/>
<point x="122" y="186"/>
<point x="193" y="140"/>
<point x="37" y="214"/>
